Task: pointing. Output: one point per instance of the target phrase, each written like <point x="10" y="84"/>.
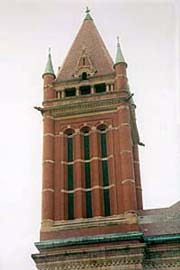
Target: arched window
<point x="70" y="175"/>
<point x="87" y="172"/>
<point x="84" y="76"/>
<point x="104" y="163"/>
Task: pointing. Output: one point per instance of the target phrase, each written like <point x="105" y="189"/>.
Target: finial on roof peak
<point x="87" y="10"/>
<point x="118" y="44"/>
<point x="49" y="66"/>
<point x="88" y="16"/>
<point x="119" y="55"/>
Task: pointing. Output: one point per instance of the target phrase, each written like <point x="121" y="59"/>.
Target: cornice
<point x="82" y="105"/>
<point x="93" y="239"/>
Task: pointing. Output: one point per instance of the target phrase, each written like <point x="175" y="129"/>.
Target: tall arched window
<point x="70" y="175"/>
<point x="104" y="163"/>
<point x="87" y="172"/>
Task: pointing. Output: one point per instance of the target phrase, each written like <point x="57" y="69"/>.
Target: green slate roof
<point x="119" y="55"/>
<point x="49" y="66"/>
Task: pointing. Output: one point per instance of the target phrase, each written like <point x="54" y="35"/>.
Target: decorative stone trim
<point x="91" y="104"/>
<point x="124" y="124"/>
<point x="128" y="181"/>
<point x="122" y="107"/>
<point x="48" y="134"/>
<point x="48" y="190"/>
<point x="48" y="86"/>
<point x="87" y="189"/>
<point x="139" y="187"/>
<point x="48" y="161"/>
<point x="61" y="225"/>
<point x="125" y="151"/>
<point x="93" y="129"/>
<point x="48" y="117"/>
<point x="86" y="161"/>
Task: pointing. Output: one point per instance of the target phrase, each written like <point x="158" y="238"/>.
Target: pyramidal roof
<point x="88" y="38"/>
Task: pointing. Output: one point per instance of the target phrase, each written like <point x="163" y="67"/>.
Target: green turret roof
<point x="49" y="66"/>
<point x="119" y="55"/>
<point x="88" y="16"/>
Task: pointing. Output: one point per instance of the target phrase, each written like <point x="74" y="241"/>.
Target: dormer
<point x="85" y="68"/>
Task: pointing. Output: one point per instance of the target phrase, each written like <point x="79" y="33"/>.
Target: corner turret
<point x="120" y="66"/>
<point x="48" y="77"/>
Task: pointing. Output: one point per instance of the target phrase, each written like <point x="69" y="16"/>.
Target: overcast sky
<point x="149" y="37"/>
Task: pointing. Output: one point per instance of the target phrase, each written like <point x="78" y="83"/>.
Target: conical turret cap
<point x="119" y="56"/>
<point x="49" y="66"/>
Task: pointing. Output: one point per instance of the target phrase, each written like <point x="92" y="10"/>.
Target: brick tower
<point x="91" y="192"/>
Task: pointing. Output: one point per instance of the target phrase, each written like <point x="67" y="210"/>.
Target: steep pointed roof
<point x="49" y="66"/>
<point x="89" y="38"/>
<point x="119" y="55"/>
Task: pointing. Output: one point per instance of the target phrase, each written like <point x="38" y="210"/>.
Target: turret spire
<point x="88" y="16"/>
<point x="119" y="55"/>
<point x="49" y="66"/>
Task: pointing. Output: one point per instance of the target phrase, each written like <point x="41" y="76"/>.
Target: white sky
<point x="149" y="36"/>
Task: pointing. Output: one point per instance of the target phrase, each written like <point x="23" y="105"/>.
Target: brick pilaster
<point x="137" y="177"/>
<point x="96" y="181"/>
<point x="78" y="177"/>
<point x="117" y="162"/>
<point x="111" y="171"/>
<point x="48" y="169"/>
<point x="126" y="156"/>
<point x="60" y="177"/>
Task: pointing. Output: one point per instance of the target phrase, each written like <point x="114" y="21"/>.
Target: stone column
<point x="62" y="93"/>
<point x="107" y="88"/>
<point x="77" y="91"/>
<point x="96" y="175"/>
<point x="92" y="89"/>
